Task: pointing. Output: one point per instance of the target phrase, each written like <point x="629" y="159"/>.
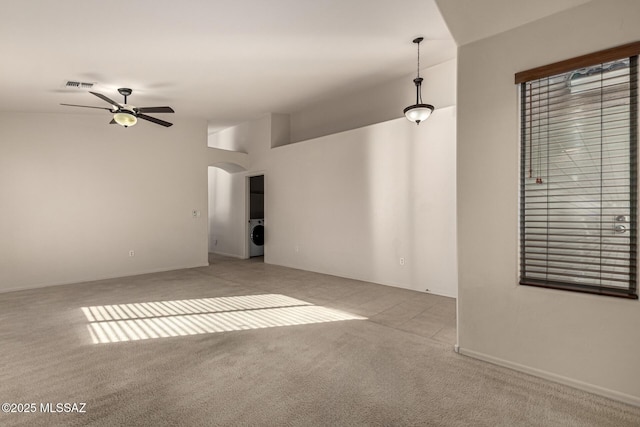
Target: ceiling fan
<point x="128" y="115"/>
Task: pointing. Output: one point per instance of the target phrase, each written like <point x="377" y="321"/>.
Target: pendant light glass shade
<point x="125" y="118"/>
<point x="418" y="112"/>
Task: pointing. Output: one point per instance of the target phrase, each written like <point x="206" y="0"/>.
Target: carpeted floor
<point x="394" y="368"/>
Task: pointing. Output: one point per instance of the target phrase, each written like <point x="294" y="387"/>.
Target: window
<point x="578" y="183"/>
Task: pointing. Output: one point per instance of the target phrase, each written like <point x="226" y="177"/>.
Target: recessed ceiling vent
<point x="73" y="84"/>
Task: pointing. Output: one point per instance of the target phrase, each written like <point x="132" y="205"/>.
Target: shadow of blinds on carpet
<point x="174" y="318"/>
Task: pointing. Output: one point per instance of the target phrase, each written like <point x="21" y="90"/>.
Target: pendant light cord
<point x="418" y="81"/>
<point x="418" y="59"/>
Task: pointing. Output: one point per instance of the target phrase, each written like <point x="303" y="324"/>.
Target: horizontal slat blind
<point x="578" y="179"/>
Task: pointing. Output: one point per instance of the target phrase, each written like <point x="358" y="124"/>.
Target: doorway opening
<point x="256" y="217"/>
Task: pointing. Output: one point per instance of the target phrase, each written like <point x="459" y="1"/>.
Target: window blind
<point x="578" y="187"/>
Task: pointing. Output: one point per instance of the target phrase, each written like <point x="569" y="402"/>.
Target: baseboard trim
<point x="228" y="255"/>
<point x="591" y="388"/>
<point x="98" y="278"/>
<point x="361" y="279"/>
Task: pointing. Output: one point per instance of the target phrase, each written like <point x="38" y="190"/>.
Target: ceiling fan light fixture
<point x="419" y="111"/>
<point x="125" y="118"/>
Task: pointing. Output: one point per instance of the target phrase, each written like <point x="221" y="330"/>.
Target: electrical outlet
<point x="401" y="261"/>
<point x="132" y="253"/>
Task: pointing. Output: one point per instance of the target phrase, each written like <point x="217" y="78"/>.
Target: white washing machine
<point x="256" y="237"/>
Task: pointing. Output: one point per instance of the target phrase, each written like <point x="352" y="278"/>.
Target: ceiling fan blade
<point x="155" y="110"/>
<point x="104" y="98"/>
<point x="154" y="120"/>
<point x="113" y="122"/>
<point x="87" y="106"/>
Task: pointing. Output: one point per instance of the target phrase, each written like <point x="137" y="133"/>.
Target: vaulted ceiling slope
<point x="215" y="59"/>
<point x="472" y="20"/>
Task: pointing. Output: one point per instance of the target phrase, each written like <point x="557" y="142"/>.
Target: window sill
<point x="609" y="292"/>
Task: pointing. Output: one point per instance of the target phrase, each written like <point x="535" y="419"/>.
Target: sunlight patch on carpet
<point x="164" y="319"/>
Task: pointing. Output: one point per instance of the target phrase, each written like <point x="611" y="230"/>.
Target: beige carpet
<point x="372" y="372"/>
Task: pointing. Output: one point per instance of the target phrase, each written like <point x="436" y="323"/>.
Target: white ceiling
<point x="219" y="60"/>
<point x="472" y="20"/>
<point x="231" y="61"/>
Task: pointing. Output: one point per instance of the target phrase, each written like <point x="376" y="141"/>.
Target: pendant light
<point x="418" y="112"/>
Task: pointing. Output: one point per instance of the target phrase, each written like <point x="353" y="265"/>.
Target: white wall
<point x="227" y="201"/>
<point x="352" y="204"/>
<point x="374" y="105"/>
<point x="585" y="340"/>
<point x="77" y="194"/>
